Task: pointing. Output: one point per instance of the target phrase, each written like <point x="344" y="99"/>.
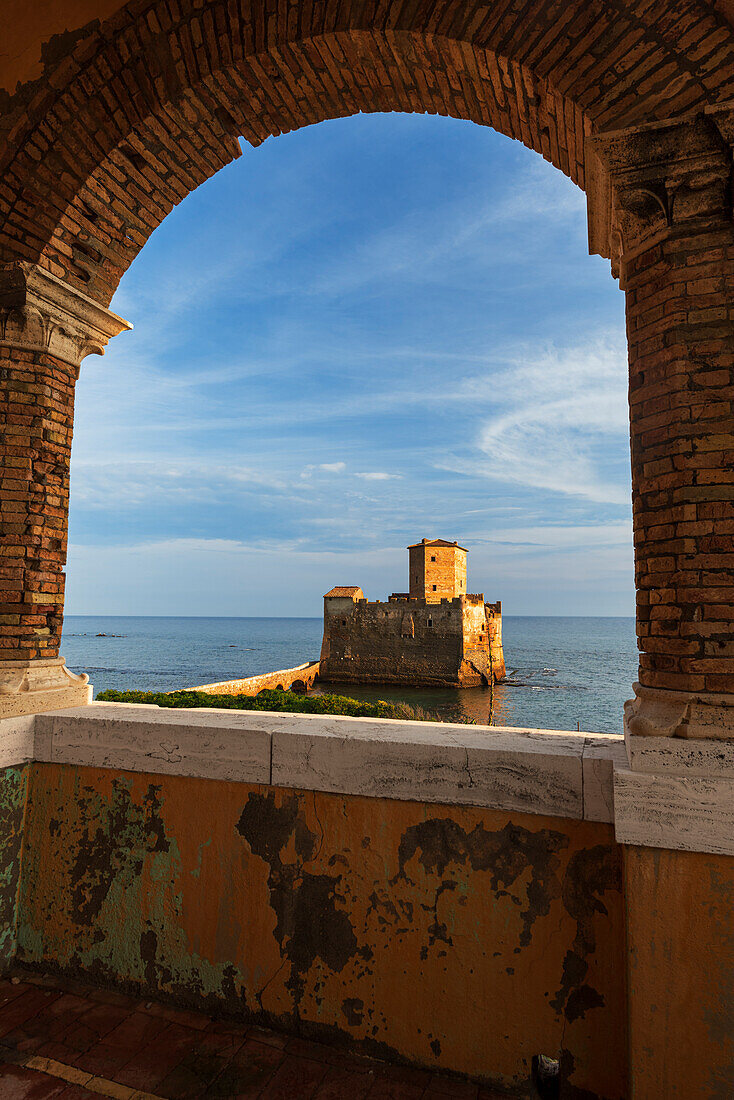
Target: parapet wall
<point x="369" y="882"/>
<point x="457" y="898"/>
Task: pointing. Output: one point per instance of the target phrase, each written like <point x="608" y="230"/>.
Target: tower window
<point x="434" y="588"/>
<point x="433" y="558"/>
<point x="430" y="622"/>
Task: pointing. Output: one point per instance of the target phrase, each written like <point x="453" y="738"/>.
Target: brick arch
<point x="149" y="104"/>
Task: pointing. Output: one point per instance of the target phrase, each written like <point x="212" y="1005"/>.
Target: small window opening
<point x="430" y="622"/>
<point x="434" y="588"/>
<point x="344" y="622"/>
<point x="433" y="558"/>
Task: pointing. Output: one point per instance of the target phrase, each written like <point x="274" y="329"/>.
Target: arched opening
<point x="421" y="339"/>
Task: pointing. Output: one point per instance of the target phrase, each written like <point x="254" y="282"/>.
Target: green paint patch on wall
<point x="13" y="797"/>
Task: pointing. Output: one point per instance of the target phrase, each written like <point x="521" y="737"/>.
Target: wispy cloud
<point x="559" y="411"/>
<point x="378" y="475"/>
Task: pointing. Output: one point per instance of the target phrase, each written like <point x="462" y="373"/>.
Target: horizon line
<point x="116" y="615"/>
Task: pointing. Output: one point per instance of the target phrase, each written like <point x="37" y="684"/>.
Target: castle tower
<point x="437" y="570"/>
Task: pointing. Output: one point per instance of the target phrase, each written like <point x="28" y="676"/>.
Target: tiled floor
<point x="72" y="1041"/>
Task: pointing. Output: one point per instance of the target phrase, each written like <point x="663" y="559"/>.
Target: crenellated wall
<point x="455" y="642"/>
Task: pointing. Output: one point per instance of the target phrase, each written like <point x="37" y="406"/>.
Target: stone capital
<point x="31" y="687"/>
<point x="39" y="312"/>
<point x="656" y="180"/>
<point x="655" y="712"/>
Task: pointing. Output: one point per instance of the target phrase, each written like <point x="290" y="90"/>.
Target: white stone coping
<point x="682" y="800"/>
<point x="691" y="813"/>
<point x="681" y="756"/>
<point x="541" y="772"/>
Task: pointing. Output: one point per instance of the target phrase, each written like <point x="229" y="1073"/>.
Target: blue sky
<point x="372" y="330"/>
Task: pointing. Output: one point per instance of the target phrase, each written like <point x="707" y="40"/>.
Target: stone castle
<point x="434" y="635"/>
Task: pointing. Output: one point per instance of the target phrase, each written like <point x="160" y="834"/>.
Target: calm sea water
<point x="563" y="673"/>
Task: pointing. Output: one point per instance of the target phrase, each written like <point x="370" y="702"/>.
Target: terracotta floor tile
<point x="55" y="1017"/>
<point x="20" y="1042"/>
<point x="177" y="1015"/>
<point x="333" y="1056"/>
<point x="135" y="1031"/>
<point x="191" y="1077"/>
<point x="223" y="1045"/>
<point x="19" y="1083"/>
<point x="103" y="1018"/>
<point x="441" y="1088"/>
<point x="10" y="992"/>
<point x="305" y="1048"/>
<point x="58" y="1051"/>
<point x="48" y="981"/>
<point x="299" y="1077"/>
<point x="407" y="1075"/>
<point x="77" y="1036"/>
<point x="155" y="1061"/>
<point x="183" y="1055"/>
<point x="102" y="1059"/>
<point x="24" y="1008"/>
<point x="341" y="1084"/>
<point x="229" y="1027"/>
<point x="386" y="1089"/>
<point x="113" y="997"/>
<point x="248" y="1072"/>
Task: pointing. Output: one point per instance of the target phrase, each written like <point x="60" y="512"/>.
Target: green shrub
<point x="271" y="700"/>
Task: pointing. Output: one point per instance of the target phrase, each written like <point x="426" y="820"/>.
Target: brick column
<point x="46" y="328"/>
<point x="661" y="194"/>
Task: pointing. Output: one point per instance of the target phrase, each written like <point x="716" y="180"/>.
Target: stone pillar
<point x="660" y="207"/>
<point x="661" y="197"/>
<point x="46" y="329"/>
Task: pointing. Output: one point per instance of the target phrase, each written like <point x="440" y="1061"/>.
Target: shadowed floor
<point x="59" y="1038"/>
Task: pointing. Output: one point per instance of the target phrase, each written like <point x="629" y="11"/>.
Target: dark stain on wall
<point x="311" y="925"/>
<point x="591" y="873"/>
<point x="506" y="854"/>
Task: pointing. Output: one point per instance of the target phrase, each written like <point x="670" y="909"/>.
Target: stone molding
<point x="652" y="180"/>
<point x="659" y="712"/>
<point x="677" y="791"/>
<point x="530" y="771"/>
<point x="527" y="771"/>
<point x="40" y="313"/>
<point x="690" y="813"/>
<point x="674" y="794"/>
<point x="680" y="756"/>
<point x="207" y="745"/>
<point x="29" y="687"/>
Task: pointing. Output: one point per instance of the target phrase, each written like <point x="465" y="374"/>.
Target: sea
<point x="562" y="673"/>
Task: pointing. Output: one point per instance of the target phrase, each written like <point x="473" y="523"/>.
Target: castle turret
<point x="437" y="570"/>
